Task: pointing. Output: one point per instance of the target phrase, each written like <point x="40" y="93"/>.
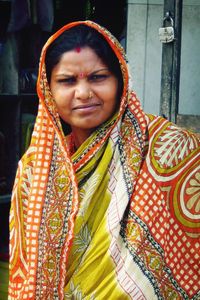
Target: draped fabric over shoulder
<point x="117" y="219"/>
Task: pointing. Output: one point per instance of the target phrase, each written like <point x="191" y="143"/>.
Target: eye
<point x="67" y="80"/>
<point x="98" y="77"/>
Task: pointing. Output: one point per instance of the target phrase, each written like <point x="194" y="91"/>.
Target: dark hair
<point x="83" y="36"/>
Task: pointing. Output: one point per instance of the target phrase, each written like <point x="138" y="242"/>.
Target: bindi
<point x="82" y="75"/>
<point x="78" y="49"/>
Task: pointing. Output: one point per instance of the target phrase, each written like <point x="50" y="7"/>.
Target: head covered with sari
<point x="117" y="217"/>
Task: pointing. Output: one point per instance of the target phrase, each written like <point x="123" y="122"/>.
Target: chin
<point x="89" y="125"/>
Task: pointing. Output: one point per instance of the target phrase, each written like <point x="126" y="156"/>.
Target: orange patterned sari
<point x="118" y="219"/>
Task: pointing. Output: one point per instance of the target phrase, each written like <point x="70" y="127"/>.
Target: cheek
<point x="113" y="88"/>
<point x="108" y="92"/>
<point x="62" y="98"/>
<point x="111" y="95"/>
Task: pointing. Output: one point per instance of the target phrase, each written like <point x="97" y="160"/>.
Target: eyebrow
<point x="72" y="75"/>
<point x="98" y="71"/>
<point x="104" y="69"/>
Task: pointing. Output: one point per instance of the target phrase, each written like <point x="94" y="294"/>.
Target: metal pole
<point x="170" y="73"/>
<point x="176" y="60"/>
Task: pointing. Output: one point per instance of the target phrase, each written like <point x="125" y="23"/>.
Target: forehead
<point x="85" y="59"/>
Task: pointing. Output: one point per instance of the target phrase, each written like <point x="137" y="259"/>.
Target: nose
<point x="82" y="91"/>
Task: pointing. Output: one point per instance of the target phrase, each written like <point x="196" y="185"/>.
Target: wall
<point x="144" y="52"/>
<point x="189" y="102"/>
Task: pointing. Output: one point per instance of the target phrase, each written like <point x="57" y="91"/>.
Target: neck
<point x="79" y="136"/>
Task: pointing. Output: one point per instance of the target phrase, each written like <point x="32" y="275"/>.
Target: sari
<point x="119" y="218"/>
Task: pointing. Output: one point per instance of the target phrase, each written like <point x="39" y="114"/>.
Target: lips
<point x="86" y="106"/>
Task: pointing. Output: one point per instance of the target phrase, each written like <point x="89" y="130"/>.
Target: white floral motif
<point x="83" y="239"/>
<point x="87" y="193"/>
<point x="173" y="147"/>
<point x="76" y="294"/>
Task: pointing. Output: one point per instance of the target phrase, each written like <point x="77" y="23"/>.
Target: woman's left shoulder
<point x="173" y="152"/>
<point x="173" y="162"/>
<point x="171" y="142"/>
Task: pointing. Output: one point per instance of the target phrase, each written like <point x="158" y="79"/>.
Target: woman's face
<point x="85" y="91"/>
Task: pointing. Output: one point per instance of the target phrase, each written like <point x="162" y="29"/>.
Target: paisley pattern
<point x="117" y="219"/>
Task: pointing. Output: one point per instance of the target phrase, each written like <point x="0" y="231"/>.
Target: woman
<point x="106" y="199"/>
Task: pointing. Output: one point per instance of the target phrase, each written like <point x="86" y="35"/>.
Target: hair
<point x="84" y="36"/>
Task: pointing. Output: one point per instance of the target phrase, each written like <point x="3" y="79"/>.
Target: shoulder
<point x="173" y="160"/>
<point x="171" y="147"/>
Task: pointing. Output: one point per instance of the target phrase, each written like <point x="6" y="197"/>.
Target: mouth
<point x="86" y="106"/>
